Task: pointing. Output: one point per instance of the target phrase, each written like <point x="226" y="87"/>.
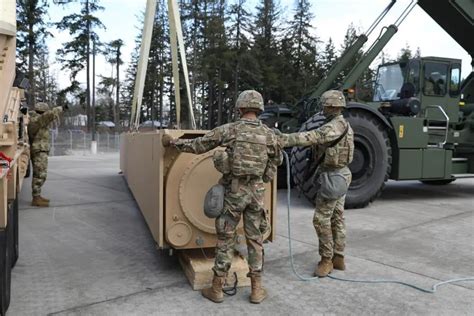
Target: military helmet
<point x="333" y="98"/>
<point x="41" y="107"/>
<point x="250" y="99"/>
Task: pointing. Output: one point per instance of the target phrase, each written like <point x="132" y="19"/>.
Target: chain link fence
<point x="78" y="142"/>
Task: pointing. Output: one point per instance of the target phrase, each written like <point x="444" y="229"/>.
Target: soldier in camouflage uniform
<point x="38" y="133"/>
<point x="253" y="156"/>
<point x="334" y="147"/>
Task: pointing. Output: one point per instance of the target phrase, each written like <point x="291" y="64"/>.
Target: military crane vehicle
<point x="419" y="124"/>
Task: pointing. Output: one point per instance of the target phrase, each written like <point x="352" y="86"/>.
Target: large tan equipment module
<point x="170" y="187"/>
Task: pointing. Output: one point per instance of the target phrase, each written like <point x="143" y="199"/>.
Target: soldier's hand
<point x="167" y="140"/>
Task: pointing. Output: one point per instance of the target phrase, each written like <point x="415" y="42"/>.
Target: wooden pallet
<point x="198" y="268"/>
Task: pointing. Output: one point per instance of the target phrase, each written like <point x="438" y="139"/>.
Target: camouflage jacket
<point x="252" y="147"/>
<point x="338" y="156"/>
<point x="38" y="128"/>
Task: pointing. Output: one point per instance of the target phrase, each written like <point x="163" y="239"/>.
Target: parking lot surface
<point x="91" y="253"/>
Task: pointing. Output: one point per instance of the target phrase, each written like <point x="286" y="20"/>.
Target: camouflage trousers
<point x="39" y="160"/>
<point x="247" y="200"/>
<point x="329" y="222"/>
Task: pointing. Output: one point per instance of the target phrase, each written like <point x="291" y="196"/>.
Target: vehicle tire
<point x="438" y="182"/>
<point x="371" y="165"/>
<point x="372" y="162"/>
<point x="5" y="272"/>
<point x="15" y="225"/>
<point x="301" y="159"/>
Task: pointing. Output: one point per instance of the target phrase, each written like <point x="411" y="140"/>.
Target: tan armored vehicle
<point x="14" y="149"/>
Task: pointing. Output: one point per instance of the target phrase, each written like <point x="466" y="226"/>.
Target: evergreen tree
<point x="349" y="38"/>
<point x="128" y="86"/>
<point x="191" y="18"/>
<point x="113" y="56"/>
<point x="46" y="84"/>
<point x="265" y="30"/>
<point x="105" y="103"/>
<point x="238" y="30"/>
<point x="299" y="50"/>
<point x="32" y="31"/>
<point x="157" y="92"/>
<point x="214" y="63"/>
<point x="405" y="54"/>
<point x="328" y="57"/>
<point x="74" y="55"/>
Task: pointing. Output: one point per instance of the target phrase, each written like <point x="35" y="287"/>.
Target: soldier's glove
<point x="167" y="140"/>
<point x="277" y="131"/>
<point x="65" y="107"/>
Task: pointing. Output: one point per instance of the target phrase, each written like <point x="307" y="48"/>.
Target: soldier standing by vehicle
<point x="38" y="133"/>
<point x="333" y="148"/>
<point x="253" y="155"/>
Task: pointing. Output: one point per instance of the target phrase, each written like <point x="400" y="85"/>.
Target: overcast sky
<point x="332" y="18"/>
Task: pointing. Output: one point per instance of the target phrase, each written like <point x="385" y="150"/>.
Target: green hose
<point x="303" y="278"/>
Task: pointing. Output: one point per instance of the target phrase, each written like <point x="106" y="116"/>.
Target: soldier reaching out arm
<point x="334" y="147"/>
<point x="253" y="155"/>
<point x="38" y="134"/>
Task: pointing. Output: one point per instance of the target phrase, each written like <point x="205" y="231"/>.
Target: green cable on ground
<point x="303" y="278"/>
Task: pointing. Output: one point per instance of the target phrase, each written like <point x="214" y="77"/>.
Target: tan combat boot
<point x="338" y="262"/>
<point x="324" y="267"/>
<point x="258" y="292"/>
<point x="214" y="293"/>
<point x="44" y="199"/>
<point x="37" y="201"/>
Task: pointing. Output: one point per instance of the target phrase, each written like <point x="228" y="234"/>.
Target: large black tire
<point x="372" y="162"/>
<point x="371" y="165"/>
<point x="15" y="226"/>
<point x="5" y="271"/>
<point x="301" y="158"/>
<point x="438" y="182"/>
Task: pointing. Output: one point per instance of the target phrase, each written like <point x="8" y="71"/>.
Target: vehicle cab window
<point x="414" y="75"/>
<point x="435" y="79"/>
<point x="455" y="80"/>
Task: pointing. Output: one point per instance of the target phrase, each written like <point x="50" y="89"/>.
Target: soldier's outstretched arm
<point x="47" y="117"/>
<point x="275" y="158"/>
<point x="323" y="135"/>
<point x="202" y="144"/>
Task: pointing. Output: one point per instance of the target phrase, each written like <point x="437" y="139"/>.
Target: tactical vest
<point x="249" y="150"/>
<point x="38" y="134"/>
<point x="341" y="154"/>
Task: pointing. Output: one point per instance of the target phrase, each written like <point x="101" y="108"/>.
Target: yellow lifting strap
<point x="176" y="35"/>
<point x="176" y="38"/>
<point x="142" y="63"/>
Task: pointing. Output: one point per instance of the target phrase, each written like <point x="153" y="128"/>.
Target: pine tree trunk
<point x="219" y="100"/>
<point x="31" y="51"/>
<point x="117" y="93"/>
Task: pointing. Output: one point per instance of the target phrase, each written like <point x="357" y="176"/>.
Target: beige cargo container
<point x="170" y="187"/>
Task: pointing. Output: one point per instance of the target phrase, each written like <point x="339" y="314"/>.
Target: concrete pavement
<point x="91" y="253"/>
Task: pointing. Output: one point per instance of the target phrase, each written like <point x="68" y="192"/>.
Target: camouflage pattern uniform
<point x="38" y="133"/>
<point x="255" y="154"/>
<point x="328" y="218"/>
